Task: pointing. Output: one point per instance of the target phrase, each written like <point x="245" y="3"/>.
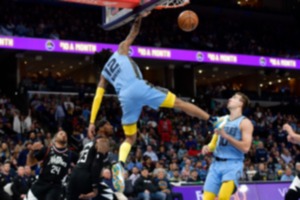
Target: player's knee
<point x="130" y="130"/>
<point x="179" y="103"/>
<point x="131" y="139"/>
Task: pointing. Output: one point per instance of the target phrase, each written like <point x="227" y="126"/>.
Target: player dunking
<point x="234" y="141"/>
<point x="133" y="93"/>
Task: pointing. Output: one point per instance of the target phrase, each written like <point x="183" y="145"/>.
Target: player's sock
<point x="124" y="151"/>
<point x="226" y="190"/>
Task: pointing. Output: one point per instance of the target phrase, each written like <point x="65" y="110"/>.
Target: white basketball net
<point x="173" y="4"/>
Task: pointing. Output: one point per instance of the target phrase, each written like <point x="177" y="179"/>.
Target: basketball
<point x="188" y="20"/>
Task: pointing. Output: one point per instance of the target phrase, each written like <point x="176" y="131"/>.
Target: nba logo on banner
<point x="262" y="61"/>
<point x="199" y="56"/>
<point x="49" y="45"/>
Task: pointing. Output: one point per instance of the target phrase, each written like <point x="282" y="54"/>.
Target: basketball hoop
<point x="169" y="4"/>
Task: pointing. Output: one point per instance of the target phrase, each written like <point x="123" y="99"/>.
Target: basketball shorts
<point x="42" y="189"/>
<point x="139" y="94"/>
<point x="222" y="171"/>
<point x="80" y="182"/>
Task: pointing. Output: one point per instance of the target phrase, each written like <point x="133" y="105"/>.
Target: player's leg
<point x="231" y="172"/>
<point x="54" y="193"/>
<point x="162" y="97"/>
<point x="131" y="111"/>
<point x="293" y="193"/>
<point x="191" y="109"/>
<point x="226" y="190"/>
<point x="212" y="183"/>
<point x="208" y="195"/>
<point x="79" y="183"/>
<point x="31" y="196"/>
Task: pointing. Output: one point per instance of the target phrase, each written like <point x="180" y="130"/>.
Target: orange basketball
<point x="188" y="20"/>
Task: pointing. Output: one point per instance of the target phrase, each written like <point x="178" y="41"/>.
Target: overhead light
<point x="147" y="67"/>
<point x="279" y="80"/>
<point x="239" y="3"/>
<point x="25" y="62"/>
<point x="71" y="67"/>
<point x="261" y="85"/>
<point x="46" y="69"/>
<point x="200" y="71"/>
<point x="270" y="83"/>
<point x="289" y="78"/>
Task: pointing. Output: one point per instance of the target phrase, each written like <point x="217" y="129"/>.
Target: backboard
<point x="114" y="17"/>
<point x="119" y="12"/>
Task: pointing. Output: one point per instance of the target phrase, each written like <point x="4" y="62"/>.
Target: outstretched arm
<point x="134" y="31"/>
<point x="96" y="105"/>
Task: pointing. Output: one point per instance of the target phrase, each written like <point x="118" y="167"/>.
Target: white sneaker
<point x="118" y="177"/>
<point x="120" y="196"/>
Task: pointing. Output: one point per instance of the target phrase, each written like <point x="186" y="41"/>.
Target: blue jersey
<point x="224" y="148"/>
<point x="120" y="71"/>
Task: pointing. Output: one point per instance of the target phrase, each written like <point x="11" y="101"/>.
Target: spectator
<point x="4" y="152"/>
<point x="286" y="156"/>
<point x="146" y="188"/>
<point x="149" y="164"/>
<point x="261" y="154"/>
<point x="165" y="186"/>
<point x="5" y="178"/>
<point x="20" y="185"/>
<point x="29" y="176"/>
<point x="134" y="175"/>
<point x="23" y="154"/>
<point x="165" y="129"/>
<point x="287" y="176"/>
<point x="151" y="154"/>
<point x="176" y="176"/>
<point x="194" y="177"/>
<point x="106" y="178"/>
<point x="261" y="174"/>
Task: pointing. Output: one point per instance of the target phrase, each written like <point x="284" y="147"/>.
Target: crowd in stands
<point x="239" y="33"/>
<point x="50" y="82"/>
<point x="168" y="146"/>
